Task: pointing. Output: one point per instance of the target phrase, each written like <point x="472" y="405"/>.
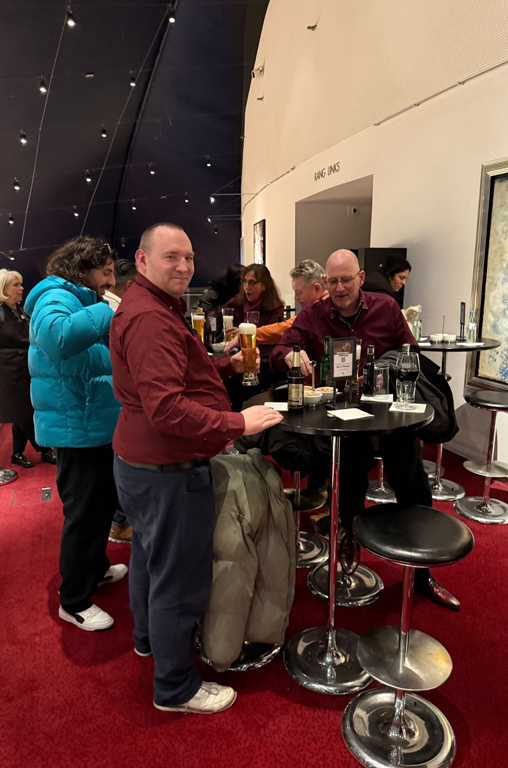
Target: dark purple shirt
<point x="379" y="321"/>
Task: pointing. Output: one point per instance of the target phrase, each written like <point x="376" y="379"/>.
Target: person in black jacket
<point x="390" y="278"/>
<point x="15" y="405"/>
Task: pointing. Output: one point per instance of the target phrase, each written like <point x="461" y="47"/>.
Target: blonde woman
<point x="15" y="405"/>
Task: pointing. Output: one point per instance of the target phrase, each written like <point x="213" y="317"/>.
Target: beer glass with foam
<point x="228" y="322"/>
<point x="247" y="333"/>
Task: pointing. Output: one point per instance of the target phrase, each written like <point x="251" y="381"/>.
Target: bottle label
<point x="295" y="395"/>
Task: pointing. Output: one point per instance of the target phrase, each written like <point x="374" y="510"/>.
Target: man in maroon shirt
<point x="375" y="319"/>
<point x="175" y="416"/>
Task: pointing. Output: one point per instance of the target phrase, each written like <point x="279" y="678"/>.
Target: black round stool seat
<point x="418" y="537"/>
<point x="496" y="401"/>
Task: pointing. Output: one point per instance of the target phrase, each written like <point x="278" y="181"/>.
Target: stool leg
<point x="444" y="490"/>
<point x="377" y="490"/>
<point x="296" y="511"/>
<point x="311" y="549"/>
<point x="484" y="509"/>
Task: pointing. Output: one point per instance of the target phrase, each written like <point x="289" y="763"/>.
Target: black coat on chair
<point x="15" y="404"/>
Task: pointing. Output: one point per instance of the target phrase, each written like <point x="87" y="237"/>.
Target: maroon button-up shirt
<point x="379" y="321"/>
<point x="175" y="406"/>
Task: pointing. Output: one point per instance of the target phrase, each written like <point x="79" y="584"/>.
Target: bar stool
<point x="394" y="726"/>
<point x="311" y="549"/>
<point x="484" y="509"/>
<point x="378" y="490"/>
<point x="7" y="476"/>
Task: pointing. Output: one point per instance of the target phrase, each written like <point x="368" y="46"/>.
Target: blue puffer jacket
<point x="70" y="365"/>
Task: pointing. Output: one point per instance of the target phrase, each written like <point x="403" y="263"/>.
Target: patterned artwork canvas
<point x="493" y="365"/>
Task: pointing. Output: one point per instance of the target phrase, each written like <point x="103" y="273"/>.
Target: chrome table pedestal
<point x="252" y="656"/>
<point x="383" y="728"/>
<point x="311" y="549"/>
<point x="324" y="658"/>
<point x="7" y="476"/>
<point x="378" y="490"/>
<point x="484" y="509"/>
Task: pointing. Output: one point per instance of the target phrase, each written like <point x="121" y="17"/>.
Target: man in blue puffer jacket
<point x="75" y="412"/>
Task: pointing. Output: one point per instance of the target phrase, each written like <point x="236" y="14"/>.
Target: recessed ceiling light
<point x="151" y="169"/>
<point x="42" y="86"/>
<point x="22" y="137"/>
<point x="208" y="162"/>
<point x="75" y="212"/>
<point x="103" y="132"/>
<point x="71" y="21"/>
<point x="16" y="185"/>
<point x="88" y="177"/>
<point x="186" y="198"/>
<point x="209" y="220"/>
<point x="216" y="230"/>
<point x="132" y="81"/>
<point x="11" y="220"/>
<point x="134" y="206"/>
<point x="172" y="17"/>
<point x="212" y="199"/>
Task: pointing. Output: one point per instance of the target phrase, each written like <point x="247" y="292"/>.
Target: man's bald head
<point x="344" y="279"/>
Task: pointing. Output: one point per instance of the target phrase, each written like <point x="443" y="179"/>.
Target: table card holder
<point x="343" y="364"/>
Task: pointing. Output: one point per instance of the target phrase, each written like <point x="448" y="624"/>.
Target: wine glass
<point x="407" y="371"/>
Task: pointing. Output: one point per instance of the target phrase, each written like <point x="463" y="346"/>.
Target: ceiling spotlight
<point x="71" y="21"/>
<point x="172" y="17"/>
<point x="22" y="137"/>
<point x="186" y="198"/>
<point x="133" y="81"/>
<point x="216" y="230"/>
<point x="11" y="220"/>
<point x="123" y="241"/>
<point x="75" y="212"/>
<point x="151" y="169"/>
<point x="104" y="133"/>
<point x="208" y="162"/>
<point x="134" y="206"/>
<point x="209" y="219"/>
<point x="42" y="86"/>
<point x="10" y="257"/>
<point x="212" y="199"/>
<point x="16" y="185"/>
<point x="88" y="177"/>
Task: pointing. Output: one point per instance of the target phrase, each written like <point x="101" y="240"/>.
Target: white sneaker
<point x="114" y="573"/>
<point x="141" y="653"/>
<point x="91" y="620"/>
<point x="210" y="698"/>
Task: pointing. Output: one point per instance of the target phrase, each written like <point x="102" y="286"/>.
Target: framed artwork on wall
<point x="259" y="242"/>
<point x="489" y="370"/>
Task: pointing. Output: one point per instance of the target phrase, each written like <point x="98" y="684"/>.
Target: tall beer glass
<point x="198" y="323"/>
<point x="228" y="322"/>
<point x="247" y="333"/>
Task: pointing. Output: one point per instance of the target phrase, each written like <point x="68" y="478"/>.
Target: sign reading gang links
<point x="323" y="172"/>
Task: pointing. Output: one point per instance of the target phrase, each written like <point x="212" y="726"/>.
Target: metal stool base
<point x="253" y="655"/>
<point x="430" y="469"/>
<point x="428" y="664"/>
<point x="362" y="588"/>
<point x="486" y="469"/>
<point x="429" y="740"/>
<point x="447" y="490"/>
<point x="310" y="501"/>
<point x="7" y="476"/>
<point x="305" y="658"/>
<point x="380" y="494"/>
<point x="311" y="551"/>
<point x="474" y="508"/>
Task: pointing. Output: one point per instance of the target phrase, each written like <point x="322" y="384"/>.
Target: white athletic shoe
<point x="91" y="620"/>
<point x="210" y="699"/>
<point x="140" y="653"/>
<point x="114" y="573"/>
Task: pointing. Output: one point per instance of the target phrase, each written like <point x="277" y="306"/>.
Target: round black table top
<point x="315" y="421"/>
<point x="454" y="347"/>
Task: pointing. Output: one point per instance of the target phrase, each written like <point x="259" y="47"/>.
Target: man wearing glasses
<point x="375" y="319"/>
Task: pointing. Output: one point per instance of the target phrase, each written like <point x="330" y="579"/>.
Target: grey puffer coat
<point x="254" y="558"/>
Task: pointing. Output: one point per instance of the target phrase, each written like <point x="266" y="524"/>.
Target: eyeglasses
<point x="334" y="281"/>
<point x="250" y="283"/>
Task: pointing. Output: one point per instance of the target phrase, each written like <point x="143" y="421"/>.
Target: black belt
<point x="169" y="467"/>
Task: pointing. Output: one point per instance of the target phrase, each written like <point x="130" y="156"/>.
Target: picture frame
<point x="260" y="242"/>
<point x="489" y="296"/>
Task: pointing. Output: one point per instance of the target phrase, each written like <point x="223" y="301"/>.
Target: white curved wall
<point x="322" y="93"/>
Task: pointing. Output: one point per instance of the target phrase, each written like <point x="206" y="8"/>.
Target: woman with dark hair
<point x="390" y="278"/>
<point x="257" y="292"/>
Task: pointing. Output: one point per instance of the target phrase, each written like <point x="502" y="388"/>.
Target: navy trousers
<point x="173" y="518"/>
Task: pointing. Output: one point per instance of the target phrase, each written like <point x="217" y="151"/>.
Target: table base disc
<point x="7" y="476"/>
<point x="310" y="501"/>
<point x="494" y="469"/>
<point x="429" y="740"/>
<point x="473" y="507"/>
<point x="312" y="550"/>
<point x="447" y="490"/>
<point x="364" y="586"/>
<point x="253" y="655"/>
<point x="305" y="660"/>
<point x="428" y="664"/>
<point x="384" y="495"/>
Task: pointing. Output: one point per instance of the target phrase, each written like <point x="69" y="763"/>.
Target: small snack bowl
<point x="327" y="393"/>
<point x="219" y="347"/>
<point x="307" y="388"/>
<point x="311" y="397"/>
<point x="443" y="338"/>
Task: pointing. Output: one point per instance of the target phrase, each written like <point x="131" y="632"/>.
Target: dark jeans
<point x="173" y="517"/>
<point x="87" y="488"/>
<point x="22" y="432"/>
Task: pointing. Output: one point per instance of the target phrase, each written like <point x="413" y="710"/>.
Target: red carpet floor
<point x="71" y="698"/>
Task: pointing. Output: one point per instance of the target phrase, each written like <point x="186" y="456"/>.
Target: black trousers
<point x="22" y="432"/>
<point x="87" y="489"/>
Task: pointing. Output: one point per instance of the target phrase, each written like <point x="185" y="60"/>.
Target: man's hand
<point x="260" y="417"/>
<point x="304" y="362"/>
<point x="233" y="344"/>
<point x="237" y="362"/>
